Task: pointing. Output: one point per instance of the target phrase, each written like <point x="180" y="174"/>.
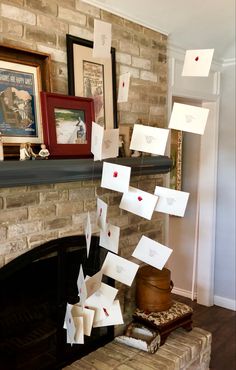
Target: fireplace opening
<point x="35" y="288"/>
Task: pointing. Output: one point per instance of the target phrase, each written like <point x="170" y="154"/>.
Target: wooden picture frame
<point x="67" y="125"/>
<point x="93" y="77"/>
<point x="176" y="148"/>
<point x="23" y="74"/>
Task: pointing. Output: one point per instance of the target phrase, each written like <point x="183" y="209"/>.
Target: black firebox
<point x="34" y="290"/>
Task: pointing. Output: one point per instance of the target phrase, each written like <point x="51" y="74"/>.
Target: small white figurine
<point x="44" y="152"/>
<point x="26" y="152"/>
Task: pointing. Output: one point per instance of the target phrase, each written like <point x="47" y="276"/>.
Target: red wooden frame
<point x="51" y="101"/>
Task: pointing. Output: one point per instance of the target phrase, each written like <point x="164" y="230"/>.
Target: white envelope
<point x="119" y="268"/>
<point x="113" y="316"/>
<point x="82" y="290"/>
<point x="110" y="144"/>
<point x="102" y="39"/>
<point x="103" y="297"/>
<point x="197" y="62"/>
<point x="101" y="214"/>
<point x="123" y="91"/>
<point x="69" y="324"/>
<point x="149" y="139"/>
<point x="88" y="233"/>
<point x="115" y="177"/>
<point x="93" y="283"/>
<point x="87" y="315"/>
<point x="109" y="238"/>
<point x="79" y="334"/>
<point x="171" y="201"/>
<point x="139" y="202"/>
<point x="152" y="252"/>
<point x="188" y="118"/>
<point x="97" y="140"/>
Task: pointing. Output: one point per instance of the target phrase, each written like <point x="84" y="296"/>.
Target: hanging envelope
<point x="197" y="62"/>
<point x="110" y="144"/>
<point x="93" y="283"/>
<point x="97" y="140"/>
<point x="88" y="233"/>
<point x="149" y="139"/>
<point x="171" y="201"/>
<point x="152" y="252"/>
<point x="101" y="214"/>
<point x="109" y="238"/>
<point x="123" y="91"/>
<point x="103" y="297"/>
<point x="188" y="118"/>
<point x="82" y="290"/>
<point x="139" y="202"/>
<point x="69" y="324"/>
<point x="102" y="39"/>
<point x="87" y="315"/>
<point x="113" y="316"/>
<point x="79" y="333"/>
<point x="119" y="268"/>
<point x="115" y="177"/>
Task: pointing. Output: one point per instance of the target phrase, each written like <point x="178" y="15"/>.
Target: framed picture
<point x="176" y="147"/>
<point x="94" y="78"/>
<point x="23" y="74"/>
<point x="67" y="125"/>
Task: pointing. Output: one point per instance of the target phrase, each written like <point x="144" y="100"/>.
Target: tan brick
<point x="46" y="6"/>
<point x="13" y="29"/>
<point x="42" y="36"/>
<point x="120" y="33"/>
<point x="13" y="246"/>
<point x="42" y="212"/>
<point x="83" y="193"/>
<point x="15" y="2"/>
<point x="45" y="22"/>
<point x="3" y="232"/>
<point x="1" y="261"/>
<point x="86" y="8"/>
<point x="141" y="63"/>
<point x="1" y="205"/>
<point x="84" y="33"/>
<point x="22" y="200"/>
<point x="56" y="54"/>
<point x="148" y="76"/>
<point x="131" y="118"/>
<point x="134" y="26"/>
<point x="141" y="40"/>
<point x="23" y="229"/>
<point x="134" y="72"/>
<point x="69" y="208"/>
<point x="68" y="3"/>
<point x="39" y="239"/>
<point x="127" y="47"/>
<point x="71" y="16"/>
<point x="54" y="195"/>
<point x="123" y="58"/>
<point x="58" y="223"/>
<point x="111" y="18"/>
<point x="60" y="86"/>
<point x="152" y="34"/>
<point x="13" y="216"/>
<point x="17" y="14"/>
<point x="140" y="107"/>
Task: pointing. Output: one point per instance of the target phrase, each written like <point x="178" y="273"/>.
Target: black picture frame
<point x="79" y="52"/>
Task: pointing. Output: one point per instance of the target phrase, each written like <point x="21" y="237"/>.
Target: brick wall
<point x="31" y="215"/>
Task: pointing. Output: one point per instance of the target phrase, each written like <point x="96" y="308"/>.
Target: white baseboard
<point x="225" y="302"/>
<point x="183" y="293"/>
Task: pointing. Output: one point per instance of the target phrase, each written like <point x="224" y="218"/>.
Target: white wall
<point x="225" y="217"/>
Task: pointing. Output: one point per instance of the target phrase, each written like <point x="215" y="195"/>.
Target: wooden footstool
<point x="179" y="315"/>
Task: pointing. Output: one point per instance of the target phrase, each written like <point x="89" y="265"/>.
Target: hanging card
<point x="113" y="316"/>
<point x="102" y="39"/>
<point x="149" y="139"/>
<point x="82" y="290"/>
<point x="123" y="91"/>
<point x="93" y="283"/>
<point x="101" y="214"/>
<point x="110" y="144"/>
<point x="173" y="202"/>
<point x="197" y="62"/>
<point x="97" y="140"/>
<point x="109" y="238"/>
<point x="87" y="315"/>
<point x="115" y="177"/>
<point x="88" y="233"/>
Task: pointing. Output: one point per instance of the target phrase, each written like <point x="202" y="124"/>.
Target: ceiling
<point x="190" y="24"/>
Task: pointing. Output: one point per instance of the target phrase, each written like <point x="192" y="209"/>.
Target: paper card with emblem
<point x="82" y="290"/>
<point x="87" y="315"/>
<point x="139" y="202"/>
<point x="173" y="202"/>
<point x="197" y="62"/>
<point x="109" y="238"/>
<point x="152" y="252"/>
<point x="103" y="297"/>
<point x="110" y="144"/>
<point x="123" y="91"/>
<point x="79" y="332"/>
<point x="93" y="283"/>
<point x="96" y="141"/>
<point x="188" y="118"/>
<point x="149" y="139"/>
<point x="101" y="39"/>
<point x="101" y="214"/>
<point x="69" y="324"/>
<point x="113" y="316"/>
<point x="119" y="268"/>
<point x="88" y="233"/>
<point x="115" y="177"/>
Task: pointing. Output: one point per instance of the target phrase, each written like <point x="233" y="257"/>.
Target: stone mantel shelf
<point x="21" y="173"/>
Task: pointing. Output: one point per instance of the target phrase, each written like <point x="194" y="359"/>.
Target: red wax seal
<point x="196" y="59"/>
<point x="140" y="198"/>
<point x="123" y="85"/>
<point x="115" y="174"/>
<point x="100" y="212"/>
<point x="109" y="233"/>
<point x="105" y="311"/>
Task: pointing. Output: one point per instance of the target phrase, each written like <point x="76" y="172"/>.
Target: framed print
<point x="23" y="74"/>
<point x="67" y="123"/>
<point x="94" y="78"/>
<point x="176" y="146"/>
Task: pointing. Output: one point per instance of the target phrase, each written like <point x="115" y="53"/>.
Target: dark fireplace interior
<point x="34" y="290"/>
